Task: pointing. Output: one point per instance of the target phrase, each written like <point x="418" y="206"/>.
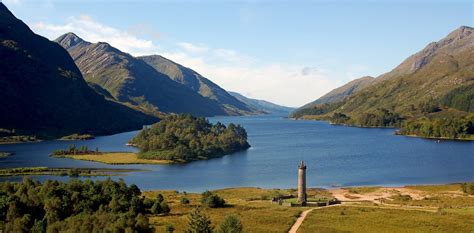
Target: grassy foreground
<point x="376" y="219"/>
<point x="251" y="205"/>
<point x="435" y="208"/>
<point x="116" y="158"/>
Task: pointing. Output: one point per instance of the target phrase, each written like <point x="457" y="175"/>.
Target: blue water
<point x="335" y="156"/>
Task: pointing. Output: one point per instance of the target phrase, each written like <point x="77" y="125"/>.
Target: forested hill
<point x="430" y="94"/>
<point x="199" y="84"/>
<point x="42" y="92"/>
<point x="185" y="138"/>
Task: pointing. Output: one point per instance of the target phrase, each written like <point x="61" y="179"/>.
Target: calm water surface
<point x="335" y="155"/>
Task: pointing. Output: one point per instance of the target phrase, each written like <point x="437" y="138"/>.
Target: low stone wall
<point x="308" y="204"/>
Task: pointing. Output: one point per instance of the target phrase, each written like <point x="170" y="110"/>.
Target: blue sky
<point x="288" y="52"/>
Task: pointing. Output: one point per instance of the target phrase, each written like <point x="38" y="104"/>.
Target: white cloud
<point x="88" y="29"/>
<point x="188" y="47"/>
<point x="282" y="83"/>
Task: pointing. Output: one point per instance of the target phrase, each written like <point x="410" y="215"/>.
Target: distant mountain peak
<point x="459" y="34"/>
<point x="455" y="42"/>
<point x="69" y="40"/>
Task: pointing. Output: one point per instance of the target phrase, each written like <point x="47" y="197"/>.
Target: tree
<point x="199" y="222"/>
<point x="164" y="207"/>
<point x="231" y="224"/>
<point x="156" y="208"/>
<point x="159" y="198"/>
<point x="212" y="200"/>
<point x="169" y="228"/>
<point x="184" y="201"/>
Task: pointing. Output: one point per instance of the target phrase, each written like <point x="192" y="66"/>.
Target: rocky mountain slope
<point x="340" y="93"/>
<point x="199" y="84"/>
<point x="43" y="93"/>
<point x="133" y="82"/>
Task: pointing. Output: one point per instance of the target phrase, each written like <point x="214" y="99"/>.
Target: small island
<point x="184" y="138"/>
<point x="76" y="136"/>
<point x="10" y="136"/>
<point x="5" y="154"/>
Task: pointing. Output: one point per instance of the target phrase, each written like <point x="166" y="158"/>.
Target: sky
<point x="286" y="52"/>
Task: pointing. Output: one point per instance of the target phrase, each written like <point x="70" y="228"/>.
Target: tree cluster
<point x="77" y="206"/>
<point x="212" y="200"/>
<point x="160" y="206"/>
<point x="468" y="188"/>
<point x="452" y="128"/>
<point x="380" y="118"/>
<point x="73" y="150"/>
<point x="339" y="118"/>
<point x="184" y="137"/>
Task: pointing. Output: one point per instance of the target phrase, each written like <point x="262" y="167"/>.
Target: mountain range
<point x="263" y="105"/>
<point x="42" y="92"/>
<point x="200" y="85"/>
<point x="151" y="84"/>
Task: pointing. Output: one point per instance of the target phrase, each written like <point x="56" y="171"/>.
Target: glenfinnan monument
<point x="302" y="183"/>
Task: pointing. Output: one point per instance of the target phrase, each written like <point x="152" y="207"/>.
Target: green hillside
<point x="43" y="93"/>
<point x="431" y="89"/>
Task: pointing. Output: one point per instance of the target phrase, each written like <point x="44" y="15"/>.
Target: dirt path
<point x="301" y="218"/>
<point x="299" y="221"/>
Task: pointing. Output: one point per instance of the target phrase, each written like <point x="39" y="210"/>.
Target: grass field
<point x="117" y="158"/>
<point x="257" y="215"/>
<point x="443" y="209"/>
<point x="367" y="219"/>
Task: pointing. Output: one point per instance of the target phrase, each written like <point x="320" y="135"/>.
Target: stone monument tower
<point x="302" y="183"/>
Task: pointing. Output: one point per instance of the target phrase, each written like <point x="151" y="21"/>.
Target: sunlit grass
<point x="257" y="215"/>
<point x="364" y="219"/>
<point x="117" y="158"/>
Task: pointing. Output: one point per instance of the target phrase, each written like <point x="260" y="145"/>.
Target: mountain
<point x="262" y="105"/>
<point x="340" y="93"/>
<point x="456" y="42"/>
<point x="133" y="82"/>
<point x="43" y="93"/>
<point x="199" y="84"/>
<point x="434" y="84"/>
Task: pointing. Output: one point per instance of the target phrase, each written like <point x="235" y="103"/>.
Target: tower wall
<point x="302" y="183"/>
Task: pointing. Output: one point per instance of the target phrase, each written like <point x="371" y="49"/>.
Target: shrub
<point x="184" y="201"/>
<point x="212" y="200"/>
<point x="231" y="224"/>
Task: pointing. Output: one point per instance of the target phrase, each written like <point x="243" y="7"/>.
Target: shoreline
<point x="71" y="172"/>
<point x="387" y="127"/>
